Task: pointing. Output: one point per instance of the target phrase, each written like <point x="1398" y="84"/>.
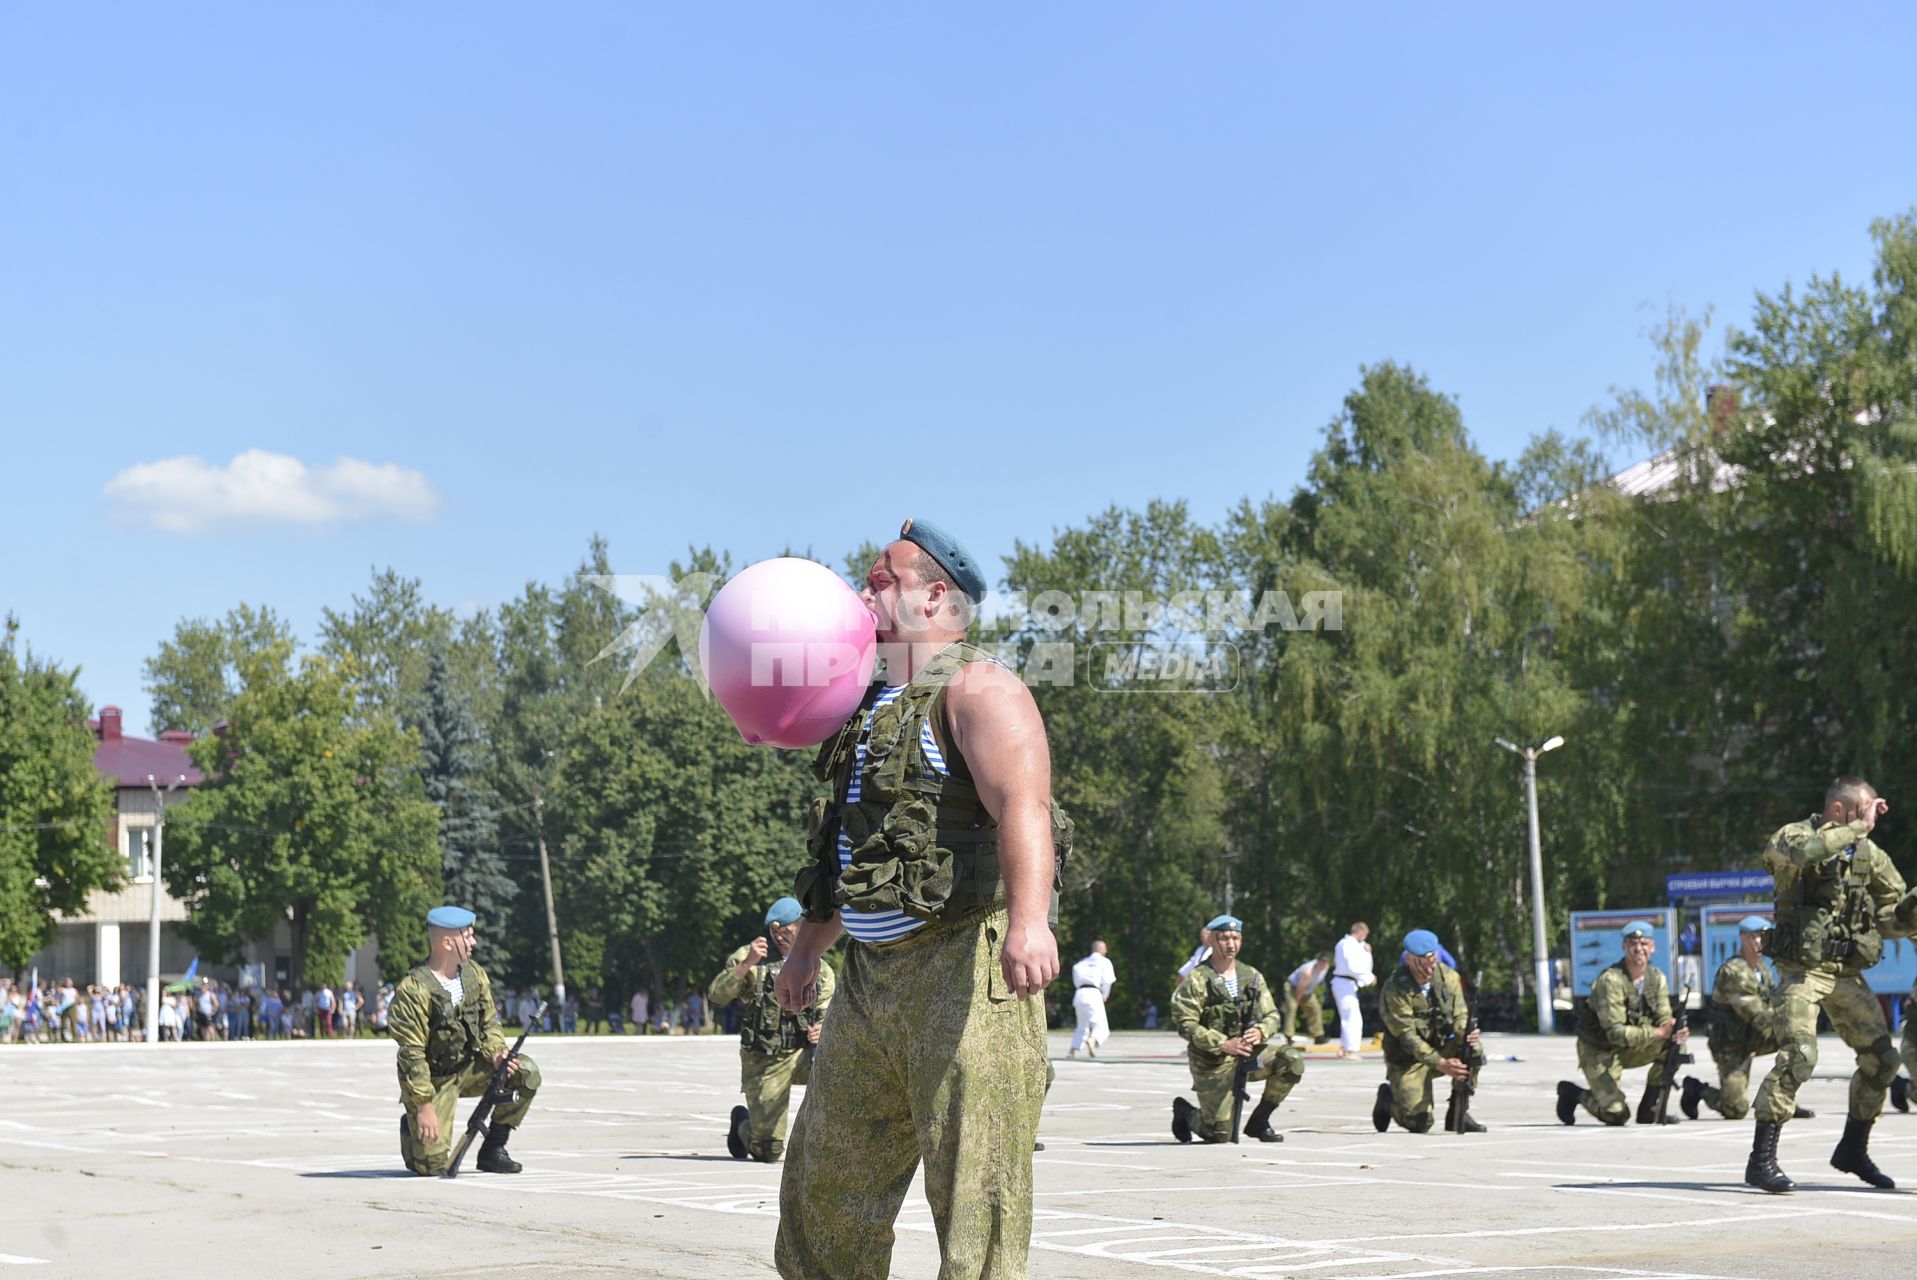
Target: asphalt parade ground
<point x="280" y="1161"/>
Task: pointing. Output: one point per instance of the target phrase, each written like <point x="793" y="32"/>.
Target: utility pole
<point x="153" y="916"/>
<point x="1540" y="948"/>
<point x="552" y="920"/>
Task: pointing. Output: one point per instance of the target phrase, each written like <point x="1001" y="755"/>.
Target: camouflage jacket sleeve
<point x="1661" y="1011"/>
<point x="1738" y="989"/>
<point x="1802" y="845"/>
<point x="1269" y="1023"/>
<point x="1887" y="893"/>
<point x="492" y="1040"/>
<point x="409" y="1020"/>
<point x="828" y="983"/>
<point x="1397" y="1005"/>
<point x="1609" y="995"/>
<point x="1188" y="1003"/>
<point x="728" y="986"/>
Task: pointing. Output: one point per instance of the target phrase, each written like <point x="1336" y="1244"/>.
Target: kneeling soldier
<point x="1226" y="1013"/>
<point x="1626" y="1022"/>
<point x="775" y="1047"/>
<point x="1426" y="1030"/>
<point x="443" y="1021"/>
<point x="1741" y="1026"/>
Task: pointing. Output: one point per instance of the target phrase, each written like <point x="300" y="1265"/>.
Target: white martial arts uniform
<point x="1092" y="980"/>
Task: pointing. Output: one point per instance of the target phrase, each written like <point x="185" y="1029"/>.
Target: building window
<point x="139" y="852"/>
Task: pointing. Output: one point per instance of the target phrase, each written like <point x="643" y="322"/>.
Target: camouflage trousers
<point x="1730" y="1097"/>
<point x="1279" y="1065"/>
<point x="1858" y="1019"/>
<point x="1907" y="1043"/>
<point x="1411" y="1090"/>
<point x="431" y="1158"/>
<point x="1311" y="1013"/>
<point x="767" y="1080"/>
<point x="926" y="1055"/>
<point x="1604" y="1068"/>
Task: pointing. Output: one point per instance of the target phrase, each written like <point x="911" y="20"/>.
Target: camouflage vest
<point x="1827" y="917"/>
<point x="1223" y="1012"/>
<point x="455" y="1036"/>
<point x="1435" y="1015"/>
<point x="767" y="1028"/>
<point x="1731" y="1035"/>
<point x="1639" y="1006"/>
<point x="922" y="842"/>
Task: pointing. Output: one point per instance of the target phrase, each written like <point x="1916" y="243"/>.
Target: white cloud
<point x="189" y="495"/>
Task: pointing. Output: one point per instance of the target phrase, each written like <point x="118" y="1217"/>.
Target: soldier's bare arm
<point x="997" y="728"/>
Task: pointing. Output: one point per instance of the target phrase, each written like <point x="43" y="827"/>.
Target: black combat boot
<point x="492" y="1152"/>
<point x="1853" y="1154"/>
<point x="1761" y="1169"/>
<point x="1381" y="1109"/>
<point x="1900" y="1093"/>
<point x="1259" y="1126"/>
<point x="1570" y="1098"/>
<point x="1647" y="1108"/>
<point x="737" y="1133"/>
<point x="1181" y="1119"/>
<point x="1693" y="1094"/>
<point x="1457" y="1115"/>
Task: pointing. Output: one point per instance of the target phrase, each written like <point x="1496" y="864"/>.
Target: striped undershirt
<point x="1231" y="983"/>
<point x="881" y="926"/>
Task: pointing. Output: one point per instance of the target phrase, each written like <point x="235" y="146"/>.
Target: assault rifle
<point x="498" y="1089"/>
<point x="1241" y="1074"/>
<point x="1472" y="1055"/>
<point x="1675" y="1055"/>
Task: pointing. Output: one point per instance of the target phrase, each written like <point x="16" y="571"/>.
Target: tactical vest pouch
<point x="813" y="885"/>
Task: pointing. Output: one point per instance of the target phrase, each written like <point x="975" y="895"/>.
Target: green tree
<point x="390" y="635"/>
<point x="195" y="676"/>
<point x="452" y="769"/>
<point x="312" y="813"/>
<point x="56" y="811"/>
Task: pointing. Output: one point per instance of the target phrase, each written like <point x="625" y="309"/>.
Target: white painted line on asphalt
<point x="15" y="1259"/>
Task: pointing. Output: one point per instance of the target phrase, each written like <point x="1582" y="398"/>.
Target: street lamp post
<point x="153" y="918"/>
<point x="1540" y="948"/>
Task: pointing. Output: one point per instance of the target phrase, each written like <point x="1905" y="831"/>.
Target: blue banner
<point x="1597" y="942"/>
<point x="1717" y="884"/>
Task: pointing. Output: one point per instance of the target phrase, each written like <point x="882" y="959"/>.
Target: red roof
<point x="129" y="760"/>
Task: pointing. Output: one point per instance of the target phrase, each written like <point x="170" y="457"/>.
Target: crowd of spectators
<point x="64" y="1012"/>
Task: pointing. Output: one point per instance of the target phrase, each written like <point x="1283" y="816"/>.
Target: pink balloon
<point x="788" y="649"/>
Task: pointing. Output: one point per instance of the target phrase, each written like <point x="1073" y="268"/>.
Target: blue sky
<point x="768" y="275"/>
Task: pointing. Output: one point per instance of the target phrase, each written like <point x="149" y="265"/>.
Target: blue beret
<point x="945" y="549"/>
<point x="1753" y="924"/>
<point x="1232" y="923"/>
<point x="449" y="917"/>
<point x="784" y="911"/>
<point x="1639" y="928"/>
<point x="1421" y="942"/>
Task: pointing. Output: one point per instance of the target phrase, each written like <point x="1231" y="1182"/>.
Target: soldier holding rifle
<point x="447" y="1031"/>
<point x="1226" y="1013"/>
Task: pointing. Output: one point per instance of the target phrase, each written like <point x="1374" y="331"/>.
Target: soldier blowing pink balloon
<point x="788" y="649"/>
